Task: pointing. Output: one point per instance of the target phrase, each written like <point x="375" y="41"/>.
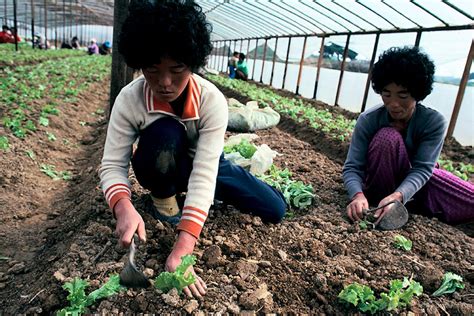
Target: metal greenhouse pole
<point x="369" y="73"/>
<point x="56" y="24"/>
<point x="318" y="71"/>
<point x="286" y="62"/>
<point x="26" y="20"/>
<point x="64" y="21"/>
<point x="462" y="89"/>
<point x="343" y="64"/>
<point x="263" y="59"/>
<point x="33" y="24"/>
<point x="120" y="75"/>
<point x="248" y="49"/>
<point x="254" y="58"/>
<point x="45" y="24"/>
<point x="273" y="61"/>
<point x="301" y="66"/>
<point x="16" y="25"/>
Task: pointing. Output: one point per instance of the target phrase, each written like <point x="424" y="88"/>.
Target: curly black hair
<point x="405" y="66"/>
<point x="175" y="29"/>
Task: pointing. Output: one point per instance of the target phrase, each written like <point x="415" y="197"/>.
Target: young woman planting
<point x="180" y="120"/>
<point x="395" y="146"/>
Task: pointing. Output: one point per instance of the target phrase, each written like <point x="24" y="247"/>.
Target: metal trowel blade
<point x="130" y="276"/>
<point x="395" y="218"/>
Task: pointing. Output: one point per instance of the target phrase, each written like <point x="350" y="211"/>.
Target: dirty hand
<point x="355" y="208"/>
<point x="379" y="214"/>
<point x="185" y="246"/>
<point x="129" y="222"/>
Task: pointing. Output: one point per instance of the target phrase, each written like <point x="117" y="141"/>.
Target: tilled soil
<point x="52" y="231"/>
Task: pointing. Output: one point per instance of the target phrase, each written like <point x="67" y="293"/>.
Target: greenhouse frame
<point x="278" y="21"/>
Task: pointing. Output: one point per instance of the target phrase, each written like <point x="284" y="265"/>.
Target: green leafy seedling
<point x="65" y="175"/>
<point x="78" y="299"/>
<point x="401" y="242"/>
<point x="362" y="297"/>
<point x="451" y="282"/>
<point x="4" y="145"/>
<point x="363" y="225"/>
<point x="51" y="136"/>
<point x="178" y="279"/>
<point x="31" y="154"/>
<point x="50" y="171"/>
<point x="44" y="121"/>
<point x="245" y="148"/>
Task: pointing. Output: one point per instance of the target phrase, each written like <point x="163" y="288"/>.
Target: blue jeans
<point x="162" y="165"/>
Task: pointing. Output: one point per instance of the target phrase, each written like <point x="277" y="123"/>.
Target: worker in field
<point x="93" y="48"/>
<point x="180" y="121"/>
<point x="232" y="64"/>
<point x="105" y="48"/>
<point x="395" y="146"/>
<point x="6" y="35"/>
<point x="242" y="71"/>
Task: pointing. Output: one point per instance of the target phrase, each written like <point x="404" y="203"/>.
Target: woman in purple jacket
<point x="395" y="146"/>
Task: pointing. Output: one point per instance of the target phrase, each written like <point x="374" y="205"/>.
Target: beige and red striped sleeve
<point x="192" y="220"/>
<point x="116" y="192"/>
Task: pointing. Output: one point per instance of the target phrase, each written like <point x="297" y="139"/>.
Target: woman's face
<point x="167" y="79"/>
<point x="398" y="102"/>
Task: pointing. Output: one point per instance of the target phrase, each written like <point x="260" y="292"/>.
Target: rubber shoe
<point x="166" y="210"/>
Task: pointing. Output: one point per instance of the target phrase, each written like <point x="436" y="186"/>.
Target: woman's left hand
<point x="185" y="246"/>
<point x="395" y="196"/>
<point x="198" y="288"/>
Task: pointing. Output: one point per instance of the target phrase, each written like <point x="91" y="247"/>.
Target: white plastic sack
<point x="261" y="160"/>
<point x="249" y="117"/>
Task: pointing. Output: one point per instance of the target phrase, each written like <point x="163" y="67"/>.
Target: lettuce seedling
<point x="78" y="299"/>
<point x="244" y="148"/>
<point x="363" y="298"/>
<point x="403" y="242"/>
<point x="4" y="145"/>
<point x="451" y="282"/>
<point x="178" y="279"/>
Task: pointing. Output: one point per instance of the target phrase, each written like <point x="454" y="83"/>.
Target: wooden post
<point x="263" y="59"/>
<point x="369" y="73"/>
<point x="301" y="66"/>
<point x="318" y="68"/>
<point x="286" y="62"/>
<point x="343" y="64"/>
<point x="461" y="90"/>
<point x="273" y="61"/>
<point x="254" y="58"/>
<point x="120" y="75"/>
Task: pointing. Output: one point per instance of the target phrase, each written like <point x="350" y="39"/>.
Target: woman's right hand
<point x="355" y="208"/>
<point x="128" y="222"/>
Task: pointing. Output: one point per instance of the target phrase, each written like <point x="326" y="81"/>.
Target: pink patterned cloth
<point x="445" y="196"/>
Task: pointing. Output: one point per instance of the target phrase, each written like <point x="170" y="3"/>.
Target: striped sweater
<point x="205" y="119"/>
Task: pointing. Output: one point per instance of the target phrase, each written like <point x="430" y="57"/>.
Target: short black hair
<point x="241" y="56"/>
<point x="405" y="66"/>
<point x="176" y="29"/>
